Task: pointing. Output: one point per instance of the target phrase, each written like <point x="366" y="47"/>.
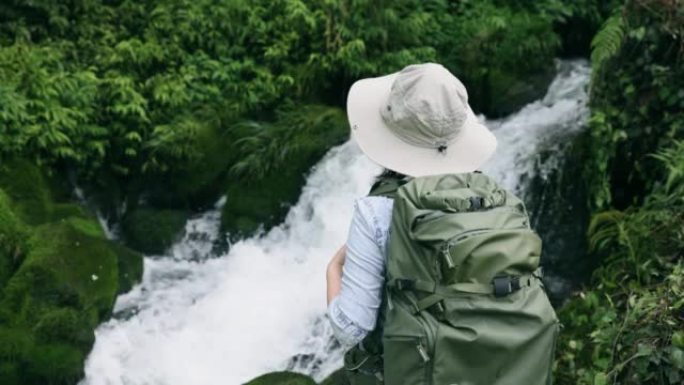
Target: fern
<point x="608" y="41"/>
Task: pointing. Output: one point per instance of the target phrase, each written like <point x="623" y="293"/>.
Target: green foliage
<point x="130" y="90"/>
<point x="13" y="234"/>
<point x="636" y="100"/>
<point x="504" y="55"/>
<point x="607" y="41"/>
<point x="25" y="185"/>
<point x="633" y="313"/>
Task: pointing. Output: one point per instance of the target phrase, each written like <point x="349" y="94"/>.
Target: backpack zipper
<point x="424" y="350"/>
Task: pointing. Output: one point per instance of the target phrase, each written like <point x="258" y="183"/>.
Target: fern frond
<point x="608" y="41"/>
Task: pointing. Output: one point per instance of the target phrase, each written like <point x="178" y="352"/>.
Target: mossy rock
<point x="54" y="364"/>
<point x="15" y="344"/>
<point x="130" y="264"/>
<point x="197" y="183"/>
<point x="13" y="236"/>
<point x="66" y="325"/>
<point x="26" y="186"/>
<point x="62" y="257"/>
<point x="35" y="287"/>
<point x="338" y="377"/>
<point x="282" y="378"/>
<point x="260" y="204"/>
<point x="153" y="231"/>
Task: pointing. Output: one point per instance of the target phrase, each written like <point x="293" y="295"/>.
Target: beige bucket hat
<point x="418" y="122"/>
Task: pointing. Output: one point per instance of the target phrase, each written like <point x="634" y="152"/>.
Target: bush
<point x="13" y="234"/>
<point x="24" y="183"/>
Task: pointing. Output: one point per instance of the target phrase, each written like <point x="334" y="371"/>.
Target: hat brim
<point x="467" y="152"/>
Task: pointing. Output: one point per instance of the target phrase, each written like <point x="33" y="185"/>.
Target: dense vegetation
<point x="157" y="108"/>
<point x="627" y="326"/>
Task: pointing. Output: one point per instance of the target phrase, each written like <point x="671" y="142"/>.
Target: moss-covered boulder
<point x="59" y="277"/>
<point x="282" y="378"/>
<point x="130" y="266"/>
<point x="65" y="267"/>
<point x="25" y="184"/>
<point x="153" y="231"/>
<point x="338" y="377"/>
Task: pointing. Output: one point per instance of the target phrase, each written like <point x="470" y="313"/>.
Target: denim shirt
<point x="354" y="311"/>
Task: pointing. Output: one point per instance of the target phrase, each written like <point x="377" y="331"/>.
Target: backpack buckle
<point x="505" y="285"/>
<point x="405" y="284"/>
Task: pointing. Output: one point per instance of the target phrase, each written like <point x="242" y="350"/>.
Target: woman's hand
<point x="334" y="273"/>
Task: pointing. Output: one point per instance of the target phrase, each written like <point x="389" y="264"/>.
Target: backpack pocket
<point x="406" y="360"/>
<point x="485" y="340"/>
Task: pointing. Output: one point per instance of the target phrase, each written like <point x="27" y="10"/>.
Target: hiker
<point x="439" y="280"/>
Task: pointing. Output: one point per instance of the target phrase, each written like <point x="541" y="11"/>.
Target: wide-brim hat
<point x="418" y="122"/>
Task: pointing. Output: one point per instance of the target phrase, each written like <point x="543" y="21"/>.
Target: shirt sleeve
<point x="354" y="311"/>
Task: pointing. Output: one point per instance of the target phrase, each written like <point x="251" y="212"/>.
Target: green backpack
<point x="464" y="303"/>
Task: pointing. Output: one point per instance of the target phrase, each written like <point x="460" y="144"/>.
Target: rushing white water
<point x="200" y="319"/>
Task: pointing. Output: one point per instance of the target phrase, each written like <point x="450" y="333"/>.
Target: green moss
<point x="130" y="266"/>
<point x="282" y="378"/>
<point x="153" y="231"/>
<point x="13" y="234"/>
<point x="25" y="184"/>
<point x="337" y="378"/>
<point x="84" y="263"/>
<point x="54" y="364"/>
<point x="196" y="183"/>
<point x="15" y="344"/>
<point x="35" y="287"/>
<point x="65" y="325"/>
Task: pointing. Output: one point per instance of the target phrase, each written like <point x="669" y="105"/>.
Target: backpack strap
<point x="501" y="286"/>
<point x="387" y="186"/>
<point x="475" y="202"/>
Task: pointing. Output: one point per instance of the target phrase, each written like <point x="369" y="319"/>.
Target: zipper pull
<point x="422" y="352"/>
<point x="447" y="257"/>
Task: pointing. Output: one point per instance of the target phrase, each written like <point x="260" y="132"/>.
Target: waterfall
<point x="201" y="319"/>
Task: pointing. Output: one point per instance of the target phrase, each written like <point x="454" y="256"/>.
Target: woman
<point x="415" y="122"/>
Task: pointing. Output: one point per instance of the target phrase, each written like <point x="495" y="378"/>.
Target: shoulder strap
<point x="387" y="186"/>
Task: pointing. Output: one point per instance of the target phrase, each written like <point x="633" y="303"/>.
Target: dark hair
<point x="389" y="174"/>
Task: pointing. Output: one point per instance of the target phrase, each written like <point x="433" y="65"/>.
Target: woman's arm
<point x="334" y="273"/>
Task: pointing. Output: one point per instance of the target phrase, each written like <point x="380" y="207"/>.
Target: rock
<point x="338" y="377"/>
<point x="153" y="231"/>
<point x="282" y="378"/>
<point x="130" y="265"/>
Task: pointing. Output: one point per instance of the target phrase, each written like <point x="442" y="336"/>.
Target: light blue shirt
<point x="354" y="311"/>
